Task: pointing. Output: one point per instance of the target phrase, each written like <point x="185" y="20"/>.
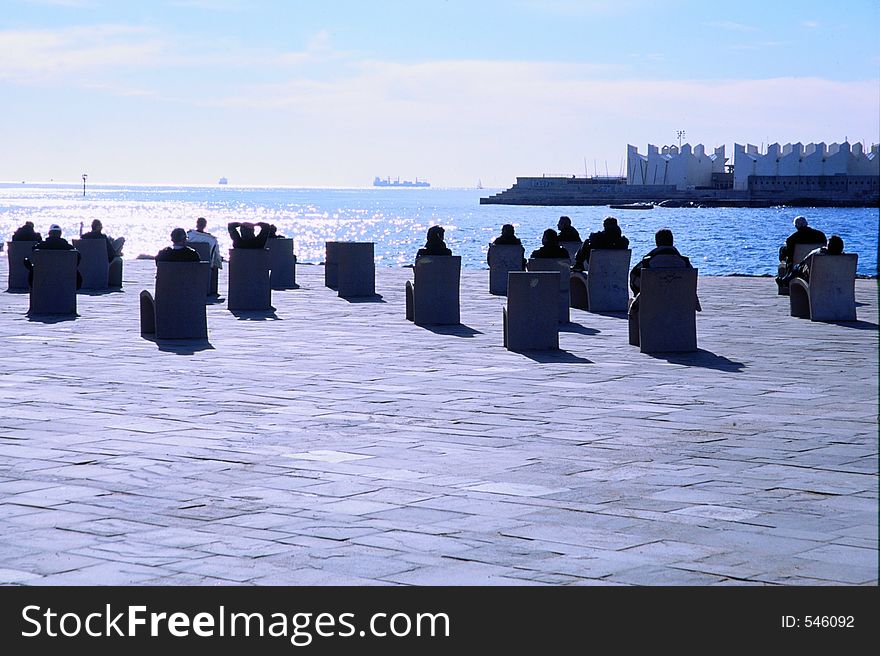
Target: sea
<point x="718" y="241"/>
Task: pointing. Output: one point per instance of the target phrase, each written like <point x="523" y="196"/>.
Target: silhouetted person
<point x="609" y="237"/>
<point x="803" y="234"/>
<point x="664" y="256"/>
<point x="273" y="233"/>
<point x="200" y="235"/>
<point x="244" y="236"/>
<point x="96" y="233"/>
<point x="53" y="242"/>
<point x="567" y="232"/>
<point x="27" y="233"/>
<point x="801" y="270"/>
<point x="550" y="247"/>
<point x="178" y="251"/>
<point x="434" y="244"/>
<point x="508" y="236"/>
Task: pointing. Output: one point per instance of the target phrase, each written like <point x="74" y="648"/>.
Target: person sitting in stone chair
<point x="27" y="233"/>
<point x="244" y="236"/>
<point x="507" y="238"/>
<point x="434" y="243"/>
<point x="801" y="270"/>
<point x="567" y="232"/>
<point x="664" y="256"/>
<point x="178" y="251"/>
<point x="200" y="235"/>
<point x="803" y="234"/>
<point x="54" y="242"/>
<point x="609" y="237"/>
<point x="114" y="246"/>
<point x="550" y="247"/>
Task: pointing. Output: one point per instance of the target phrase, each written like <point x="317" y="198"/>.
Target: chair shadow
<point x="214" y="300"/>
<point x="457" y="330"/>
<point x="180" y="346"/>
<point x="558" y="356"/>
<point x="701" y="358"/>
<point x="51" y="318"/>
<point x="99" y="292"/>
<point x="376" y="298"/>
<point x="285" y="289"/>
<point x="580" y="329"/>
<point x="18" y="291"/>
<point x="858" y="324"/>
<point x="255" y="315"/>
<point x="612" y="315"/>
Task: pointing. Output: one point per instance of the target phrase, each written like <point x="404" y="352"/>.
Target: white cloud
<point x="74" y="4"/>
<point x="210" y="5"/>
<point x="812" y="25"/>
<point x="34" y="55"/>
<point x="732" y="26"/>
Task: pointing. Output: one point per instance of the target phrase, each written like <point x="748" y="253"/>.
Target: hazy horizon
<point x="330" y="95"/>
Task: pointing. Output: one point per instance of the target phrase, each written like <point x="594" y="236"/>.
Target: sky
<point x="331" y="93"/>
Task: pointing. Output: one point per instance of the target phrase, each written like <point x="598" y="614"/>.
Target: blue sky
<point x="332" y="93"/>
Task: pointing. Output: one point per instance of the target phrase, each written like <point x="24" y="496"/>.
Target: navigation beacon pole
<point x="85" y="175"/>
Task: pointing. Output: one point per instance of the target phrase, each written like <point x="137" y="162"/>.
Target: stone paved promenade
<point x="337" y="443"/>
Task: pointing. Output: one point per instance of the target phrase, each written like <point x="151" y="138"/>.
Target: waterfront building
<point x="683" y="168"/>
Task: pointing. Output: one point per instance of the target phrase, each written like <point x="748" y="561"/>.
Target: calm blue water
<point x="719" y="241"/>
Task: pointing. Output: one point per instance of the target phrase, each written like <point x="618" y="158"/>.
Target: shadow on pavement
<point x="701" y="358"/>
<point x="459" y="330"/>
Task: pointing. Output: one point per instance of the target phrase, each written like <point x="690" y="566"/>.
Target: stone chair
<point x="800" y="252"/>
<point x="331" y="264"/>
<point x="433" y="296"/>
<point x="97" y="273"/>
<point x="178" y="310"/>
<point x="605" y="287"/>
<point x="665" y="319"/>
<point x="572" y="247"/>
<point x="356" y="269"/>
<point x="530" y="316"/>
<point x="204" y="249"/>
<point x="503" y="258"/>
<point x="16" y="251"/>
<point x="249" y="288"/>
<point x="282" y="263"/>
<point x="563" y="267"/>
<point x="830" y="293"/>
<point x="54" y="286"/>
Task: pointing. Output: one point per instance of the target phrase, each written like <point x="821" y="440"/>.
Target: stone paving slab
<point x="331" y="442"/>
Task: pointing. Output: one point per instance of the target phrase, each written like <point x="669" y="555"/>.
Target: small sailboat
<point x="479" y="184"/>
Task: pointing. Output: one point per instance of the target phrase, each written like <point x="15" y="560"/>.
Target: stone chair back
<point x="564" y="281"/>
<point x="249" y="288"/>
<point x="433" y="296"/>
<point x="282" y="263"/>
<point x="16" y="251"/>
<point x="93" y="267"/>
<point x="530" y="316"/>
<point x="503" y="258"/>
<point x="667" y="316"/>
<point x="830" y="293"/>
<point x="54" y="286"/>
<point x="355" y="269"/>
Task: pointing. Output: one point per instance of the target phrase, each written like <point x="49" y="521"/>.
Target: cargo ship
<point x="388" y="182"/>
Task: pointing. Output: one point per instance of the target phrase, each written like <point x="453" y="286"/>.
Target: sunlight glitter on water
<point x="719" y="241"/>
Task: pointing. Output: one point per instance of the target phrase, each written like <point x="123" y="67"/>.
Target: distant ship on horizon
<point x="223" y="181"/>
<point x="388" y="182"/>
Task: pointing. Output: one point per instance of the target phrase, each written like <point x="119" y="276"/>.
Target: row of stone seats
<point x="604" y="288"/>
<point x="96" y="272"/>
